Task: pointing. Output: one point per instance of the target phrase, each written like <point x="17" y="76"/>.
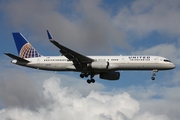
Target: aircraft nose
<point x="173" y="66"/>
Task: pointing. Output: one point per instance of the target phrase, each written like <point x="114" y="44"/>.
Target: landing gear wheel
<point x="88" y="81"/>
<point x="82" y="75"/>
<point x="86" y="75"/>
<point x="92" y="80"/>
<point x="153" y="78"/>
<point x="154" y="74"/>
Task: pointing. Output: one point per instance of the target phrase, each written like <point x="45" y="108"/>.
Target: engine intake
<point x="110" y="75"/>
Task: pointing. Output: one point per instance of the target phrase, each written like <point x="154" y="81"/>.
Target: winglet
<point x="49" y="35"/>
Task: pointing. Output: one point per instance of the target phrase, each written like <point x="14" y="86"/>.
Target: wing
<point x="79" y="61"/>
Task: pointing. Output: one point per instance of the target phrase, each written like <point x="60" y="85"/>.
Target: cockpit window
<point x="167" y="60"/>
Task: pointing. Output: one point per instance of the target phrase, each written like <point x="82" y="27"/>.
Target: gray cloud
<point x="89" y="27"/>
<point x="171" y="51"/>
<point x="143" y="17"/>
<point x="44" y="95"/>
<point x="70" y="81"/>
<point x="156" y="101"/>
<point x="65" y="102"/>
<point x="68" y="103"/>
<point x="149" y="116"/>
<point x="18" y="90"/>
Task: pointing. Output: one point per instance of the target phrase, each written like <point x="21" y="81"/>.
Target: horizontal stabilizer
<point x="16" y="58"/>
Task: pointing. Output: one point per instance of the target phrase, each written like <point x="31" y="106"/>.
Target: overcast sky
<point x="91" y="27"/>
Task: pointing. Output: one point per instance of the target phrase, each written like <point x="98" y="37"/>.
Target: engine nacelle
<point x="110" y="75"/>
<point x="99" y="65"/>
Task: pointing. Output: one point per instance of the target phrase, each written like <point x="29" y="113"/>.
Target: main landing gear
<point x="154" y="74"/>
<point x="91" y="80"/>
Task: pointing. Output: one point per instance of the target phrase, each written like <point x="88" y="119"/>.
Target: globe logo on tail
<point x="27" y="51"/>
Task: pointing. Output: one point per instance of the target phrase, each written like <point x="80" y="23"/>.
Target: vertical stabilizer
<point x="24" y="48"/>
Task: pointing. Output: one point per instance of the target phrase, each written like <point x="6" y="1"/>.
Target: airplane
<point x="106" y="67"/>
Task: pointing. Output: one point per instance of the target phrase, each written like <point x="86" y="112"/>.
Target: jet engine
<point x="110" y="75"/>
<point x="99" y="65"/>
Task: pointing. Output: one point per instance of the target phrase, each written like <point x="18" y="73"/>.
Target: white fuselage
<point x="61" y="63"/>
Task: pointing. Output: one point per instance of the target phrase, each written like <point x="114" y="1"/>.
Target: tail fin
<point x="24" y="48"/>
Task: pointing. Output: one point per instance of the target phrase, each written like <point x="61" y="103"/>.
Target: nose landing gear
<point x="154" y="74"/>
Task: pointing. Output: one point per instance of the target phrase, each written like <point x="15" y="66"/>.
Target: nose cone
<point x="173" y="66"/>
